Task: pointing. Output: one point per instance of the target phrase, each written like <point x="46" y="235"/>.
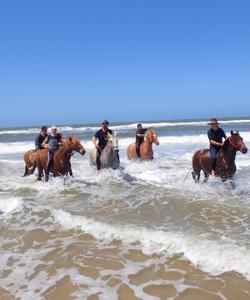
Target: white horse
<point x="110" y="154"/>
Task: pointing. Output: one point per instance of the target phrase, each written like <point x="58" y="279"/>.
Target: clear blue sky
<point x="82" y="61"/>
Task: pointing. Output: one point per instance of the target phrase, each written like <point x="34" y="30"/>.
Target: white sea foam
<point x="214" y="256"/>
<point x="122" y="127"/>
<point x="201" y="139"/>
<point x="9" y="205"/>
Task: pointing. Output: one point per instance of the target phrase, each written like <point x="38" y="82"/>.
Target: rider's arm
<point x="212" y="142"/>
<point x="94" y="140"/>
<point x="216" y="143"/>
<point x="44" y="144"/>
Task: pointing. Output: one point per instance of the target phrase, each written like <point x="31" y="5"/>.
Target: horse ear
<point x="232" y="132"/>
<point x="70" y="138"/>
<point x="237" y="132"/>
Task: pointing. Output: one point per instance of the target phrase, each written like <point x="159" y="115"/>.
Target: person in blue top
<point x="102" y="137"/>
<point x="140" y="132"/>
<point x="40" y="138"/>
<point x="215" y="135"/>
<point x="54" y="141"/>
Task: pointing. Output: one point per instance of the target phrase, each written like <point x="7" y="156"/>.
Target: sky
<point x="72" y="62"/>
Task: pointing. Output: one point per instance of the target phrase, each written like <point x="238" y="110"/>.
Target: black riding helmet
<point x="105" y="122"/>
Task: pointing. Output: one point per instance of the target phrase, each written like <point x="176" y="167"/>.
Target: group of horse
<point x="225" y="167"/>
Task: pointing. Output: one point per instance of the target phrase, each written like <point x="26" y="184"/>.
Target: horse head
<point x="75" y="144"/>
<point x="113" y="142"/>
<point x="152" y="137"/>
<point x="236" y="141"/>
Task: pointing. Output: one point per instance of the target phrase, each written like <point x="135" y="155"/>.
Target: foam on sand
<point x="214" y="256"/>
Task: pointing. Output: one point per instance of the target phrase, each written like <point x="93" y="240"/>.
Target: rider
<point x="40" y="138"/>
<point x="140" y="132"/>
<point x="54" y="141"/>
<point x="102" y="136"/>
<point x="215" y="135"/>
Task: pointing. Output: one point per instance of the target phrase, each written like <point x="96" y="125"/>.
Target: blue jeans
<point x="50" y="160"/>
<point x="213" y="152"/>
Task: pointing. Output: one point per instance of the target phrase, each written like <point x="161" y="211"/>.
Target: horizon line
<point x="128" y="122"/>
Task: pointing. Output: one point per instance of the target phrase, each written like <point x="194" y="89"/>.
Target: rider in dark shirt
<point x="215" y="135"/>
<point x="40" y="138"/>
<point x="54" y="142"/>
<point x="140" y="132"/>
<point x="102" y="137"/>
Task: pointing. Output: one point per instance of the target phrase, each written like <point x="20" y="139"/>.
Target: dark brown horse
<point x="61" y="160"/>
<point x="225" y="166"/>
<point x="146" y="148"/>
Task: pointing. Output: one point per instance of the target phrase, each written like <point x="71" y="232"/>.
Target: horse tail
<point x="196" y="166"/>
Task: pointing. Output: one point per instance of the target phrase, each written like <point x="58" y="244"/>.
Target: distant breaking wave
<point x="199" y="140"/>
<point x="121" y="127"/>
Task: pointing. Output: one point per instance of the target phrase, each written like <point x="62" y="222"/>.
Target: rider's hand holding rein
<point x="216" y="143"/>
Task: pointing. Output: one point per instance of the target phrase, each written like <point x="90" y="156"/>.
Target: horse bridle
<point x="155" y="138"/>
<point x="236" y="146"/>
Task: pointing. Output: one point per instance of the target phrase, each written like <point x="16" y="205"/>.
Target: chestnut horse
<point x="225" y="166"/>
<point x="146" y="149"/>
<point x="61" y="160"/>
<point x="30" y="162"/>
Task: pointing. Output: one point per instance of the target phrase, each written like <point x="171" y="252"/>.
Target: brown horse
<point x="30" y="162"/>
<point x="61" y="160"/>
<point x="146" y="149"/>
<point x="225" y="166"/>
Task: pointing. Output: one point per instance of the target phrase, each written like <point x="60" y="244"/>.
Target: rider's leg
<point x="137" y="145"/>
<point x="49" y="163"/>
<point x="213" y="153"/>
<point x="98" y="159"/>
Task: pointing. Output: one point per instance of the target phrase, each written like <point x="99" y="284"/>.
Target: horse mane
<point x="149" y="131"/>
<point x="66" y="142"/>
<point x="225" y="144"/>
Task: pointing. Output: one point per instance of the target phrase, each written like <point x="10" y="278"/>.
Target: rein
<point x="233" y="144"/>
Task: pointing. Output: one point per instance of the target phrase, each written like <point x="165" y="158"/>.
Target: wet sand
<point x="81" y="270"/>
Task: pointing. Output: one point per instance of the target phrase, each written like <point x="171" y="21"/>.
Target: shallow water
<point x="143" y="232"/>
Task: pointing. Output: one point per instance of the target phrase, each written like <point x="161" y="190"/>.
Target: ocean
<point x="146" y="231"/>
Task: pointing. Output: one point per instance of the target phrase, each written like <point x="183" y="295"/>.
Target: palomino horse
<point x="225" y="166"/>
<point x="61" y="160"/>
<point x="110" y="154"/>
<point x="146" y="148"/>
